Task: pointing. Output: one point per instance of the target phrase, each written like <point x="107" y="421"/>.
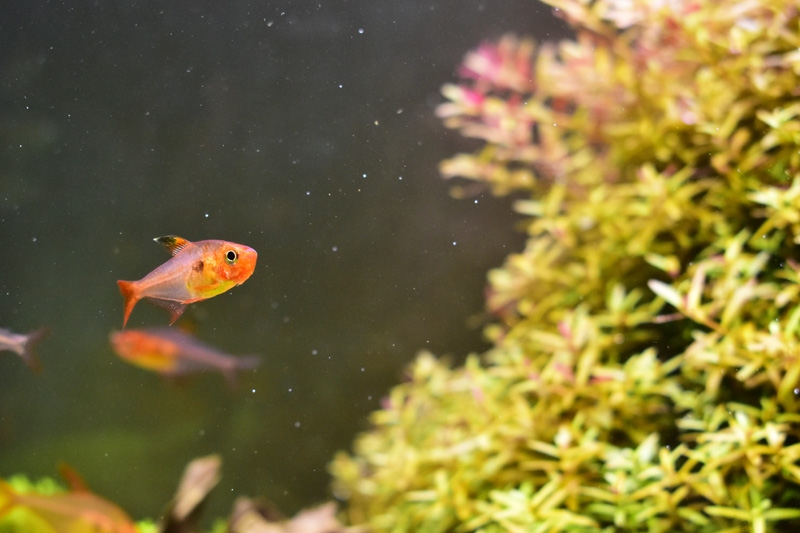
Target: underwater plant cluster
<point x="645" y="368"/>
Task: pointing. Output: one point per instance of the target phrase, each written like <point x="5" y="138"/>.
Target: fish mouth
<point x="249" y="254"/>
<point x="247" y="258"/>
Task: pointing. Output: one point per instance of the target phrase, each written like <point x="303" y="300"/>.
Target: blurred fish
<point x="197" y="271"/>
<point x="69" y="512"/>
<point x="23" y="345"/>
<point x="173" y="353"/>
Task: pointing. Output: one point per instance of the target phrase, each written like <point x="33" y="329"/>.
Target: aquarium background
<point x="303" y="129"/>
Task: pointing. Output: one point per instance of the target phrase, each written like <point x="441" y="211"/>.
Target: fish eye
<point x="231" y="256"/>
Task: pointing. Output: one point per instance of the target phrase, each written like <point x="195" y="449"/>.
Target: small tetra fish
<point x="23" y="345"/>
<point x="69" y="512"/>
<point x="174" y="353"/>
<point x="197" y="271"/>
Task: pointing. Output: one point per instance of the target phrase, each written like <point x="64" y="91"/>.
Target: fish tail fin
<point x="128" y="291"/>
<point x="7" y="498"/>
<point x="246" y="362"/>
<point x="29" y="349"/>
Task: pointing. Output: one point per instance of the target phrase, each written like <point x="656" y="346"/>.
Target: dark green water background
<point x="303" y="129"/>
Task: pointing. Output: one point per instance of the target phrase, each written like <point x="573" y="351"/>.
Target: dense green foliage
<point x="645" y="374"/>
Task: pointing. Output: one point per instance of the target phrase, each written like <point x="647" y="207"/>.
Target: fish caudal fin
<point x="29" y="352"/>
<point x="128" y="291"/>
<point x="247" y="362"/>
<point x="240" y="363"/>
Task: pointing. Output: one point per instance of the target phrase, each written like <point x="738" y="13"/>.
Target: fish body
<point x="69" y="512"/>
<point x="197" y="271"/>
<point x="23" y="345"/>
<point x="174" y="353"/>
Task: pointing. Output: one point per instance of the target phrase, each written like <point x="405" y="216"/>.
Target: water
<point x="304" y="130"/>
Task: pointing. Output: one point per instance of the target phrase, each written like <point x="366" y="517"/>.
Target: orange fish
<point x="174" y="353"/>
<point x="69" y="512"/>
<point x="23" y="345"/>
<point x="197" y="271"/>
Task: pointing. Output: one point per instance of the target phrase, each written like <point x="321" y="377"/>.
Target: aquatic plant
<point x="645" y="368"/>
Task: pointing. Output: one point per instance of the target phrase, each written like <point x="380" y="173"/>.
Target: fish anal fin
<point x="175" y="309"/>
<point x="173" y="243"/>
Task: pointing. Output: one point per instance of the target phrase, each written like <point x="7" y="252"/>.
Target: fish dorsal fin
<point x="173" y="243"/>
<point x="72" y="477"/>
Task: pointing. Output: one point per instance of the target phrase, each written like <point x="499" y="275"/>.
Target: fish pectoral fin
<point x="173" y="243"/>
<point x="175" y="309"/>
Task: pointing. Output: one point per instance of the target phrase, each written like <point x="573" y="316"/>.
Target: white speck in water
<point x="400" y="178"/>
<point x="253" y="390"/>
<point x="33" y="239"/>
<point x="206" y="215"/>
<point x="334" y="248"/>
<point x="454" y="243"/>
<point x="314" y="351"/>
<point x="400" y="111"/>
<point x="340" y="85"/>
<point x="364" y="175"/>
<point x="796" y="391"/>
<point x="297" y="424"/>
<point x="290" y="390"/>
<point x="362" y="368"/>
<point x="308" y="193"/>
<point x="360" y="30"/>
